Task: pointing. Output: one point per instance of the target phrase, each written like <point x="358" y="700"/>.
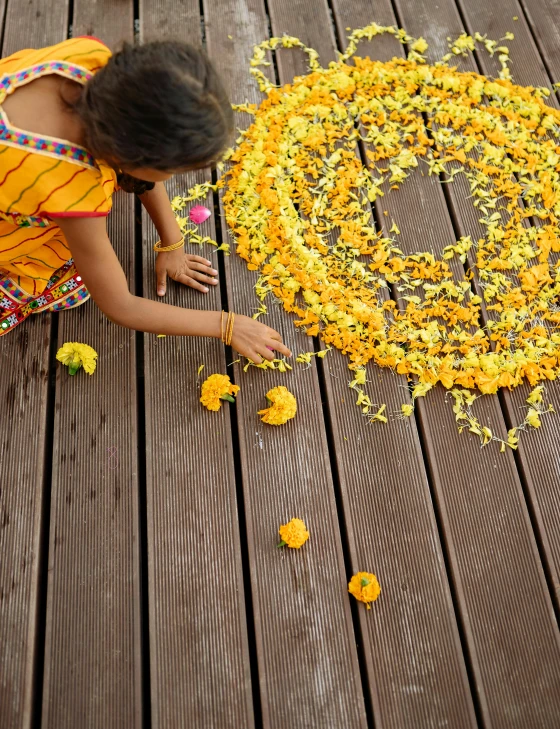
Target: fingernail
<point x="160" y="292"/>
<point x="214" y="283"/>
<point x="213" y="272"/>
<point x="205" y="290"/>
<point x="209" y="263"/>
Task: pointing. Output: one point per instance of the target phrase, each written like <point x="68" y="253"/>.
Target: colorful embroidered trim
<point x="64" y="291"/>
<point x="25" y="221"/>
<point x="49" y="145"/>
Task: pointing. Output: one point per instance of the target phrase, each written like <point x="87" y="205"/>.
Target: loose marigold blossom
<point x="75" y="355"/>
<point x="215" y="389"/>
<point x="294" y="534"/>
<point x="297" y="201"/>
<point x="365" y="587"/>
<point x="283" y="406"/>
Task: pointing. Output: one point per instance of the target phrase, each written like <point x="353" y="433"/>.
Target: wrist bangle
<point x="162" y="249"/>
<point x="228" y="334"/>
<point x="229" y="329"/>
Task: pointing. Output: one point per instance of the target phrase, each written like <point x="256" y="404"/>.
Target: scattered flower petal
<point x="198" y="214"/>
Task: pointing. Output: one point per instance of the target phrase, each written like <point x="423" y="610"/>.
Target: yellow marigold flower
<point x="75" y="355"/>
<point x="407" y="410"/>
<point x="283" y="406"/>
<point x="294" y="534"/>
<point x="215" y="389"/>
<point x="365" y="587"/>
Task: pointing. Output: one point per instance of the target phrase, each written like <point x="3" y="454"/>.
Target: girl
<point x="75" y="123"/>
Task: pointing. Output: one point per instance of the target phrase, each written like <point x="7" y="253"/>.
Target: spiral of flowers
<point x="297" y="200"/>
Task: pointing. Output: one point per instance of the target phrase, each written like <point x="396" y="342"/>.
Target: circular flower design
<point x="295" y="179"/>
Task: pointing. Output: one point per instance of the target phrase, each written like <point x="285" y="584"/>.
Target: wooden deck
<point x="139" y="581"/>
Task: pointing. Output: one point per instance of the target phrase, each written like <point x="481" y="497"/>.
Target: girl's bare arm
<point x="104" y="278"/>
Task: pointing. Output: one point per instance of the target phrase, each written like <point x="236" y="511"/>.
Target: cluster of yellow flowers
<point x="297" y="200"/>
<point x="363" y="585"/>
<point x="217" y="388"/>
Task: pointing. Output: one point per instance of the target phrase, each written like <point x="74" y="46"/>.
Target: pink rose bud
<point x="198" y="214"/>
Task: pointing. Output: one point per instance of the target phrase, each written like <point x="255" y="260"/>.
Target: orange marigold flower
<point x="294" y="534"/>
<point x="215" y="389"/>
<point x="365" y="587"/>
<point x="283" y="406"/>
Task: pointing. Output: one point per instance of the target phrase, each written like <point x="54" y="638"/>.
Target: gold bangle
<point x="228" y="324"/>
<point x="162" y="249"/>
<point x="229" y="335"/>
<point x="222" y="325"/>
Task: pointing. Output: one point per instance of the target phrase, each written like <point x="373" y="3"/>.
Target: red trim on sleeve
<point x="94" y="38"/>
<point x="50" y="216"/>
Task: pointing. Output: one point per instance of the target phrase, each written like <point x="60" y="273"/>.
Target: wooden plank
<point x="489" y="534"/>
<point x="404" y="690"/>
<point x="544" y="21"/>
<point x="34" y="23"/>
<point x="308" y="668"/>
<point x="92" y="646"/>
<point x="535" y="449"/>
<point x="198" y="647"/>
<point x="540" y="483"/>
<point x="24" y="390"/>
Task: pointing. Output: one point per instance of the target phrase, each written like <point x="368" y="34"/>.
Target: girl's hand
<point x="255" y="340"/>
<point x="193" y="271"/>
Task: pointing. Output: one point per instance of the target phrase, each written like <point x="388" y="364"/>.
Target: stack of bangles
<point x="228" y="332"/>
<point x="162" y="249"/>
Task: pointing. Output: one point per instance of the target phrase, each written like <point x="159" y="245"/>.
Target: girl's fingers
<point x="205" y="279"/>
<point x="267" y="353"/>
<point x="199" y="259"/>
<point x="187" y="281"/>
<point x="194" y="266"/>
<point x="161" y="278"/>
<point x="273" y="334"/>
<point x="281" y="347"/>
<point x="256" y="358"/>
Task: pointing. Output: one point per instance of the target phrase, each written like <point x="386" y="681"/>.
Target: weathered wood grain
<point x="199" y="650"/>
<point x="308" y="668"/>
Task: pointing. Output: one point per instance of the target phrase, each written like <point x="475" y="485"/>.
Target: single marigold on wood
<point x="365" y="587"/>
<point x="294" y="534"/>
<point x="283" y="406"/>
<point x="215" y="389"/>
<point x="75" y="355"/>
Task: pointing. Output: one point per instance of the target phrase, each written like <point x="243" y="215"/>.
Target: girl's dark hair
<point x="159" y="105"/>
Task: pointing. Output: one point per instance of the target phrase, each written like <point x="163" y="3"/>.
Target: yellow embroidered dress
<point x="42" y="178"/>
